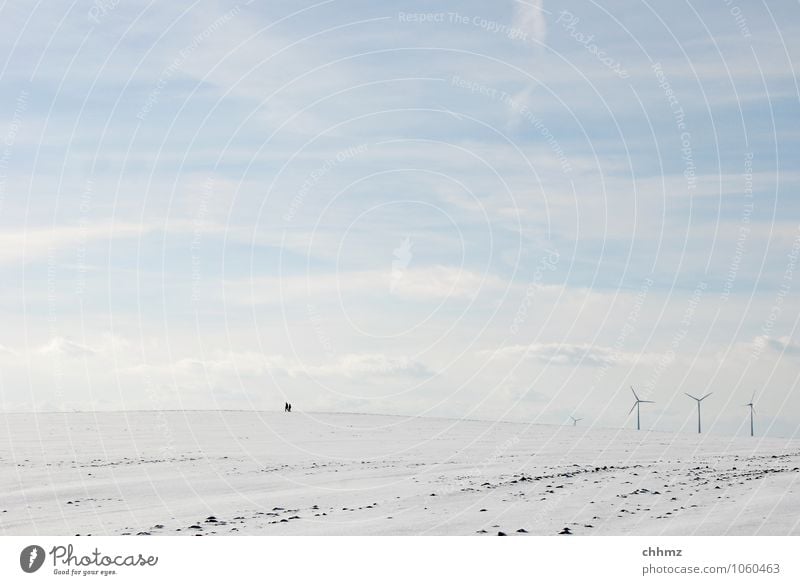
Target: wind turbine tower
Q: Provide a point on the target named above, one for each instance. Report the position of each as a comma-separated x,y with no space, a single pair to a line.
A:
699,400
636,406
752,410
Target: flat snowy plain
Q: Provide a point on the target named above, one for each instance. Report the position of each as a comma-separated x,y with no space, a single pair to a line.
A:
227,473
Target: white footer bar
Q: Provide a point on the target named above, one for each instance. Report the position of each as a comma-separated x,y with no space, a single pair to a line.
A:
372,560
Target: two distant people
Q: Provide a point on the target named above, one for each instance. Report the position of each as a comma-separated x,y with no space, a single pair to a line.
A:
287,407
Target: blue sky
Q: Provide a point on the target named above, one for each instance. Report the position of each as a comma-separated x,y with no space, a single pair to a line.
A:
513,211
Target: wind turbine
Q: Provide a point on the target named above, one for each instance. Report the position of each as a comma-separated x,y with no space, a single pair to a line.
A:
636,406
575,421
752,409
699,400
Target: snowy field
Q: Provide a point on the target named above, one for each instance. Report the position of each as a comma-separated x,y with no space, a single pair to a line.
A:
205,473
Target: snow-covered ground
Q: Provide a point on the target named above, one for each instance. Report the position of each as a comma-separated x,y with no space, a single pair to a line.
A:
187,473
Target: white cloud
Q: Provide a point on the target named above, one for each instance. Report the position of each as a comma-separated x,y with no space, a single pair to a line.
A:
428,283
372,365
66,347
6,350
37,243
783,344
573,354
231,364
439,282
530,19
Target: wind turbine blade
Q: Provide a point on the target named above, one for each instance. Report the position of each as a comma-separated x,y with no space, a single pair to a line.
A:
690,396
632,407
706,396
648,401
753,397
634,393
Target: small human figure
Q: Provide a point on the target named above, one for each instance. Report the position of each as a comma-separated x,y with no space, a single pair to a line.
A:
285,407
290,407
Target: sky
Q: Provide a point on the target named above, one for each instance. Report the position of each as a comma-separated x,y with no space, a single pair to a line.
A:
506,210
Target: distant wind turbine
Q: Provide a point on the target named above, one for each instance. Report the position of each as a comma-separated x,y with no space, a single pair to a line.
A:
699,400
575,421
636,406
752,410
